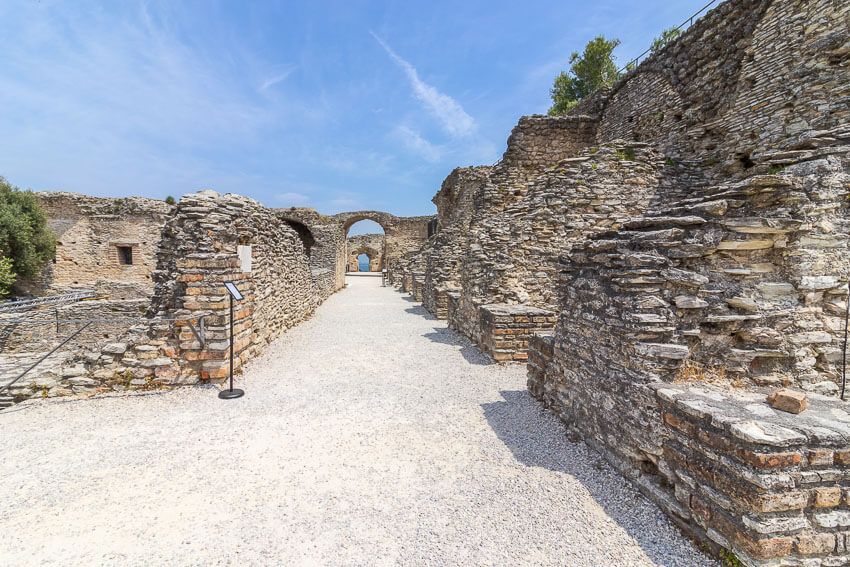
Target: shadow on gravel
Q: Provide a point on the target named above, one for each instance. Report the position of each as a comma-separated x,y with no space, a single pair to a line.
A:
469,351
421,311
536,438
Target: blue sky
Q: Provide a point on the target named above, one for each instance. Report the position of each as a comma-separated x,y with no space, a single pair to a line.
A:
334,105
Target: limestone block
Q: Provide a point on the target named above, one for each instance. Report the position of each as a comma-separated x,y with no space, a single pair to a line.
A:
788,400
765,433
660,350
114,348
690,302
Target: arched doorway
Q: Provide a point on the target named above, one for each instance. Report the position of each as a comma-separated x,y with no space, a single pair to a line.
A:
364,262
365,246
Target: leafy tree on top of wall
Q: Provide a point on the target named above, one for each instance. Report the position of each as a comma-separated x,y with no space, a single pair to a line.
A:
7,276
589,71
26,243
666,37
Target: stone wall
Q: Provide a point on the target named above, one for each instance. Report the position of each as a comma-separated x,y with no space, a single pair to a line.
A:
749,75
370,244
209,239
444,257
325,242
691,235
539,141
90,233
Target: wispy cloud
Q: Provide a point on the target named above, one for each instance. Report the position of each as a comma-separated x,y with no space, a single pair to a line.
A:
450,114
276,78
413,141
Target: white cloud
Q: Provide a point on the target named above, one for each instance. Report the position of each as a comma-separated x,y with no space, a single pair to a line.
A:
292,199
451,115
417,144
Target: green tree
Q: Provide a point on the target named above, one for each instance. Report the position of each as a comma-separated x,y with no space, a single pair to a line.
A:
589,71
25,238
170,200
666,37
7,276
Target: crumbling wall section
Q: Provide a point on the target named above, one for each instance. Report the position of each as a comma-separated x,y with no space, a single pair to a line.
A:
212,239
745,77
90,232
742,286
455,213
324,241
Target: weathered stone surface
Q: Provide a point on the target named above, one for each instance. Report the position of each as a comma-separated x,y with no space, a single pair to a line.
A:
788,400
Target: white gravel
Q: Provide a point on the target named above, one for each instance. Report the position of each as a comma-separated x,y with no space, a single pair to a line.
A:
369,435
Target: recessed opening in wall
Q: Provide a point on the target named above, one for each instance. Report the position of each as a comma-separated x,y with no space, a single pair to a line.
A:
307,238
744,159
125,255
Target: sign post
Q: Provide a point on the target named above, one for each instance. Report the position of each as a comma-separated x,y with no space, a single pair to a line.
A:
231,393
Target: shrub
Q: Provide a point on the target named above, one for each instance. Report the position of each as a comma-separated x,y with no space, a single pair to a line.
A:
589,71
25,238
7,276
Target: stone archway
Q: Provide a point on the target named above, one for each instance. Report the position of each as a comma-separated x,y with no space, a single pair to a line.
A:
370,244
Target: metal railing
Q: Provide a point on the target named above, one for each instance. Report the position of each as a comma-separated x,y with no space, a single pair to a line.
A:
684,25
25,304
199,332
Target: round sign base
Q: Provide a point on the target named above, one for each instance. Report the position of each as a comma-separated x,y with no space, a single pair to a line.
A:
231,394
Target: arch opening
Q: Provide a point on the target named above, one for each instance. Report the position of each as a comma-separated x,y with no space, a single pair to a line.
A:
304,233
365,246
364,226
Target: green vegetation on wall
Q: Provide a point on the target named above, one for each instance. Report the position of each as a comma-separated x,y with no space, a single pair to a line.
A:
26,243
589,71
666,37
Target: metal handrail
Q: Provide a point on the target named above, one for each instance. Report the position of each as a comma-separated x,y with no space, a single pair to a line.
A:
21,304
689,21
199,332
43,358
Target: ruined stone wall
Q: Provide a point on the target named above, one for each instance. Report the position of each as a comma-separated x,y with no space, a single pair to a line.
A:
209,239
729,288
455,212
695,254
403,238
749,75
539,141
371,244
89,232
476,248
325,242
743,285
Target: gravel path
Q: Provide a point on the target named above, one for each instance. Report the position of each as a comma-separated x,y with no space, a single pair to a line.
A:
368,435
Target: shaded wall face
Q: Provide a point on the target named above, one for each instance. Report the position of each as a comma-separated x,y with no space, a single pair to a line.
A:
327,254
108,245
